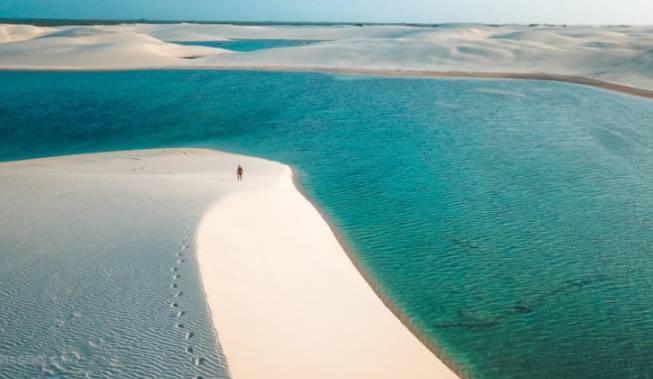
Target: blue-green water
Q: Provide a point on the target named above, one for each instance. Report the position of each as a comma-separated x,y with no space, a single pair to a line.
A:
509,220
249,44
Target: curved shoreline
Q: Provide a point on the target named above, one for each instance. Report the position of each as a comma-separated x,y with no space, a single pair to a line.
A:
391,73
285,297
374,284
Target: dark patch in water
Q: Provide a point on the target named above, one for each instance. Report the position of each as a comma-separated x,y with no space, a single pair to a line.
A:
564,286
522,309
466,325
471,320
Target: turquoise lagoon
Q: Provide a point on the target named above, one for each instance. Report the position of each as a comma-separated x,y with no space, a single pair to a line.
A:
244,45
510,221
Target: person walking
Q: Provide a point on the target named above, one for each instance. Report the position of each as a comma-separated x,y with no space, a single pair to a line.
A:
239,173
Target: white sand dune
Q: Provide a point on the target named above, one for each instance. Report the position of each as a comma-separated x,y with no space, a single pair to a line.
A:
285,299
14,33
621,55
203,32
97,47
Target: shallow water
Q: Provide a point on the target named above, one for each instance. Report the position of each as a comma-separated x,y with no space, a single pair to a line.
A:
249,44
509,220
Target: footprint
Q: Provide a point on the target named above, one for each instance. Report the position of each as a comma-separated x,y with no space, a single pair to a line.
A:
175,277
180,313
198,361
173,285
173,269
174,305
180,326
179,294
189,335
179,254
180,261
189,349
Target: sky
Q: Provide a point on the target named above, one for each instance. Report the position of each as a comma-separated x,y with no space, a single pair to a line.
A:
418,11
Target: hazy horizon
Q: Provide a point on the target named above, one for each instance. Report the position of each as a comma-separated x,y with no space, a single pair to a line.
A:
300,22
579,12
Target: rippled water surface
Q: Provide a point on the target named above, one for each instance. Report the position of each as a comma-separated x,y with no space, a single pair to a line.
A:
510,220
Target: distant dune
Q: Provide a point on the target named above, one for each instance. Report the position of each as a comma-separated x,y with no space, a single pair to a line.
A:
14,33
621,55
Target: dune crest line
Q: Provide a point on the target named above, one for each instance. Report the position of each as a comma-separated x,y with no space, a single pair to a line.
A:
286,299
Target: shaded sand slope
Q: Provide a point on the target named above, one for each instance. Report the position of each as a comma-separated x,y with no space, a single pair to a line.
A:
622,54
96,47
90,247
13,33
100,252
287,301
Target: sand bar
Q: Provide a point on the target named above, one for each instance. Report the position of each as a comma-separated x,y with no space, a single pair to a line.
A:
285,299
628,90
288,303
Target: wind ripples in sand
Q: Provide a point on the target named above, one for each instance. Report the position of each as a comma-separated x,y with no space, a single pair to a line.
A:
85,311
